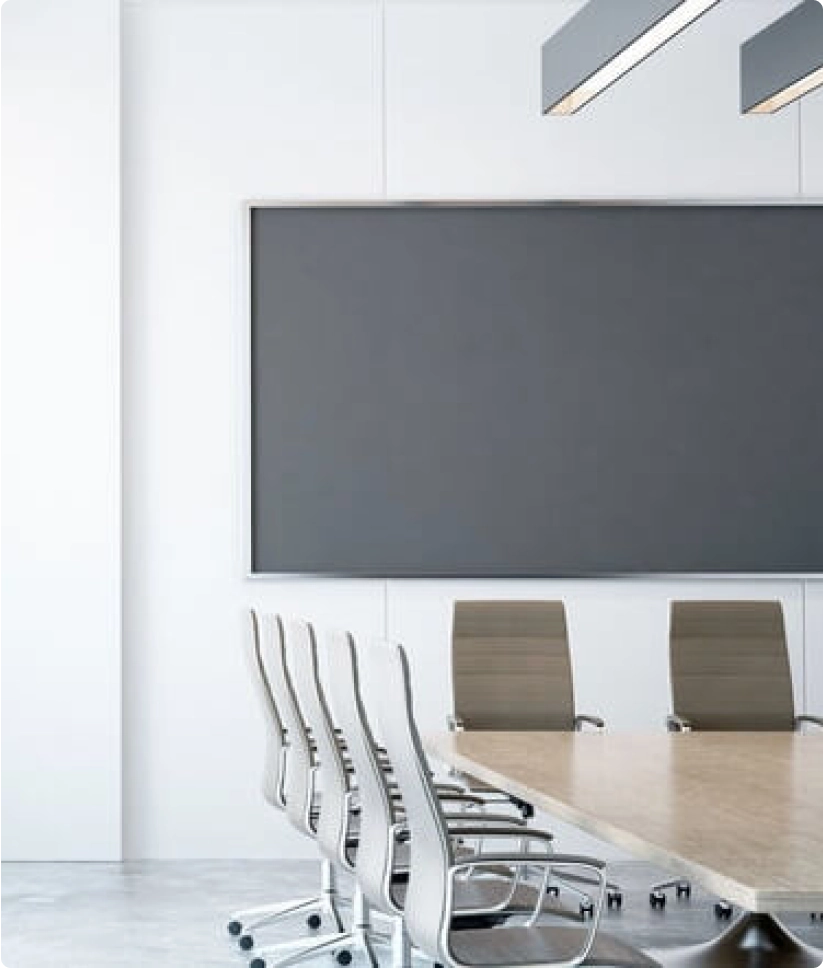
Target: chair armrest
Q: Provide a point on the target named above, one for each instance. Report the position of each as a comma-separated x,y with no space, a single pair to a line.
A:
814,720
480,819
448,796
548,862
450,787
581,719
678,724
541,860
473,829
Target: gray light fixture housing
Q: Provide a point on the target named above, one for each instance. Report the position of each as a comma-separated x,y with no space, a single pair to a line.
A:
782,62
603,41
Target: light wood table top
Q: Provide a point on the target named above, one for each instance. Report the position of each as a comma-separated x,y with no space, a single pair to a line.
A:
740,813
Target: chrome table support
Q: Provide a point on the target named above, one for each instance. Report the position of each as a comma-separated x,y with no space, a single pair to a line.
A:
752,941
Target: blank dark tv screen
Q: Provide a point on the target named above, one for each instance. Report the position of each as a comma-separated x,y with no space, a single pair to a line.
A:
530,390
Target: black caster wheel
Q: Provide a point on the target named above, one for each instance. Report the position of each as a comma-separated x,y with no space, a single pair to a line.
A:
684,889
314,921
723,910
586,909
257,963
554,891
343,957
234,928
657,899
246,942
614,899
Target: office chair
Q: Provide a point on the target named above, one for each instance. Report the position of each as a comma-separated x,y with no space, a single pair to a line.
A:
302,802
382,851
242,923
512,671
324,779
435,870
730,670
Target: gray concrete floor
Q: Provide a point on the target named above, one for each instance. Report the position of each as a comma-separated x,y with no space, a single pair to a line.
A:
173,913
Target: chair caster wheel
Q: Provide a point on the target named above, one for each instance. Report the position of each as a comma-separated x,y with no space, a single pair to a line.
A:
234,928
657,899
683,889
614,899
555,892
723,910
257,963
586,909
246,942
314,921
343,957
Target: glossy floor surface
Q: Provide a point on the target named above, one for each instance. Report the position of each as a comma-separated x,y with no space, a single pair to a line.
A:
173,913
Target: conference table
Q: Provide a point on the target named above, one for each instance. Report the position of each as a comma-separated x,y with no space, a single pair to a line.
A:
739,813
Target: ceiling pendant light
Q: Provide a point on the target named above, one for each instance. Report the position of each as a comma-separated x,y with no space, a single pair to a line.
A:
784,61
605,40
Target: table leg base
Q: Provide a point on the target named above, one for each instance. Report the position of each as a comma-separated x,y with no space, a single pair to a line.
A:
753,941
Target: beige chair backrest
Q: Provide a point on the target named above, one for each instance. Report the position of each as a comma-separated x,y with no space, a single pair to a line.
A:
511,668
730,666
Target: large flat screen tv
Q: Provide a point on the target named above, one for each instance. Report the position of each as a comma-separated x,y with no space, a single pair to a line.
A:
536,389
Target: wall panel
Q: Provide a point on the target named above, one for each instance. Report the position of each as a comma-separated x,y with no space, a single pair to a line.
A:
811,115
223,102
61,431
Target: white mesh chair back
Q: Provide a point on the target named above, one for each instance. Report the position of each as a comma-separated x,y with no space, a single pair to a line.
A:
375,854
274,763
298,783
425,906
330,770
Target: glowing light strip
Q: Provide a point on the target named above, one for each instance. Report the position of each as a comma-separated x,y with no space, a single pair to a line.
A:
789,94
647,43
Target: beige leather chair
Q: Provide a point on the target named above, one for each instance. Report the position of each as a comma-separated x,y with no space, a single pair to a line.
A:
511,667
730,668
512,671
729,671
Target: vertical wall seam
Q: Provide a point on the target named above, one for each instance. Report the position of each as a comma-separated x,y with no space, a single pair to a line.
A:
384,145
386,609
803,587
119,421
384,188
800,149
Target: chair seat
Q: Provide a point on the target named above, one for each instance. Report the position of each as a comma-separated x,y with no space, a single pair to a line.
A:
539,945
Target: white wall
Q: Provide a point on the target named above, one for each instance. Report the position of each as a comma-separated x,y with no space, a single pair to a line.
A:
226,101
61,430
223,102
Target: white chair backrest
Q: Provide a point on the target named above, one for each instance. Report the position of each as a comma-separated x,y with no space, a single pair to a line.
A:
274,763
332,778
298,783
375,852
426,906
